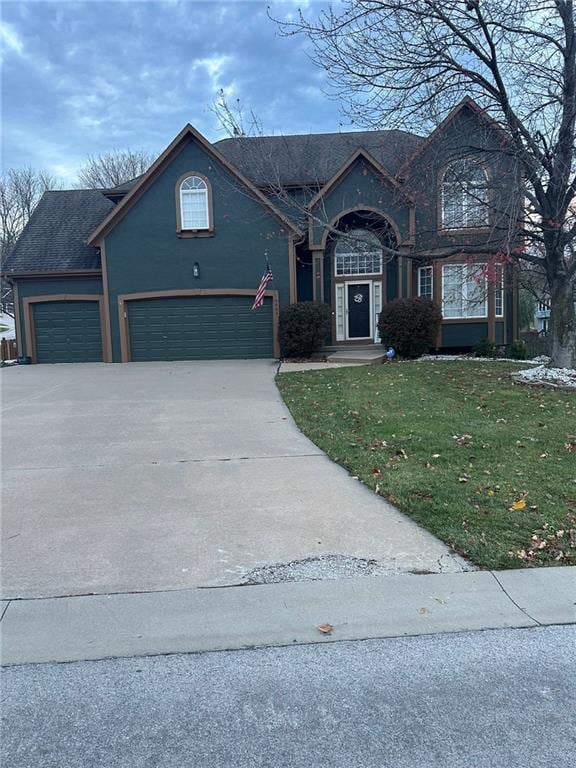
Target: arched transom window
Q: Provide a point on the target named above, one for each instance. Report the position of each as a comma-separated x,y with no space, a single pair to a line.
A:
194,203
464,195
358,252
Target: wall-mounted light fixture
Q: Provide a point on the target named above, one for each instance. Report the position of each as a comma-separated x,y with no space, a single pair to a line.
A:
196,269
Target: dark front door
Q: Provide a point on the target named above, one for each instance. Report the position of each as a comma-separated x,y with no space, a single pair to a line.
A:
359,325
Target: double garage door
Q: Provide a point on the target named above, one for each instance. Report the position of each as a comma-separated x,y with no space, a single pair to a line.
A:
166,328
199,328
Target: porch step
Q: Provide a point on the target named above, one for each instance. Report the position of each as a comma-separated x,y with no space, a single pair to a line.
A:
367,356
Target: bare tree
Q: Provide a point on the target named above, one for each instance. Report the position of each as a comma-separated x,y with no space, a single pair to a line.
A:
20,191
403,63
114,168
233,118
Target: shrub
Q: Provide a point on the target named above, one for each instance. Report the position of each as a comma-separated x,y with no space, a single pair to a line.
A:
485,348
518,351
303,328
410,326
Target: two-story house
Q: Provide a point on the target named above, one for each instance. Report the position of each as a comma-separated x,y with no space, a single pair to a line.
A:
166,266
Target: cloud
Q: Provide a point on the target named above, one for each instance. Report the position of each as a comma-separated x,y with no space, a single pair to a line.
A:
98,75
10,39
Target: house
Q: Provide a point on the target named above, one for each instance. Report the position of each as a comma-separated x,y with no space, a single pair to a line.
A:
166,266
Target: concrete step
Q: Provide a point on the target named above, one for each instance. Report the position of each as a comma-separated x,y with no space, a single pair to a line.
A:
359,356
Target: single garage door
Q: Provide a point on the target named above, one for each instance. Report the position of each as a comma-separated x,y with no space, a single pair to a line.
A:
67,332
199,328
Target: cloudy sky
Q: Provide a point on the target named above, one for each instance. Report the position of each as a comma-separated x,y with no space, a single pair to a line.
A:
81,78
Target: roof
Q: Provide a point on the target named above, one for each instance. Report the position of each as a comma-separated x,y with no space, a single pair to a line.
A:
54,239
313,158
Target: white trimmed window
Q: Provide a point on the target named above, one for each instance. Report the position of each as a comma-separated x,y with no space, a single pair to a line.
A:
464,195
194,205
499,292
464,291
425,282
359,252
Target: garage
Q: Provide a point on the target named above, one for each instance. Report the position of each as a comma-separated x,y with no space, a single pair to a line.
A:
199,327
66,331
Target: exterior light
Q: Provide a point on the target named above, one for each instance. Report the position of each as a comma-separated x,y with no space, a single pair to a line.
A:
196,269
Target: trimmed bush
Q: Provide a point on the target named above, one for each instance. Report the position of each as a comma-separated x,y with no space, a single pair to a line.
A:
410,326
303,328
485,348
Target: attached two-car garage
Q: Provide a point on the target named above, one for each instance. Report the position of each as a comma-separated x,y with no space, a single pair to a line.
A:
204,327
170,325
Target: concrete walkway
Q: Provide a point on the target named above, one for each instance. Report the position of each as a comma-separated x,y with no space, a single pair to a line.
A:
102,626
159,476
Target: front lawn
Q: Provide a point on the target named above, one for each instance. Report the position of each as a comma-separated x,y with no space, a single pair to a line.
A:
487,465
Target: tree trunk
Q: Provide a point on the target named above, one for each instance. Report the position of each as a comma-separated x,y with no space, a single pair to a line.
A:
562,323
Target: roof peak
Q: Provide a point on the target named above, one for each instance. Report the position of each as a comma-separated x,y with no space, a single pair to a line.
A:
322,134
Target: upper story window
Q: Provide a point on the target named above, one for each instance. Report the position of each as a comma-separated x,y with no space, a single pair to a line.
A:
464,195
359,252
194,203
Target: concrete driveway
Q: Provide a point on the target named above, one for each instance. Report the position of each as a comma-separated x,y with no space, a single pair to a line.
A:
155,476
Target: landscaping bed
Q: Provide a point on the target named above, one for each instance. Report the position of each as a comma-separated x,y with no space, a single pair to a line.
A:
487,465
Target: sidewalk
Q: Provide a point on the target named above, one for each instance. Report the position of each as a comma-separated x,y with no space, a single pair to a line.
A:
192,620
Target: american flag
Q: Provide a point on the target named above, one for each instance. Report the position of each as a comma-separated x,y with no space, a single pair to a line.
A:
267,277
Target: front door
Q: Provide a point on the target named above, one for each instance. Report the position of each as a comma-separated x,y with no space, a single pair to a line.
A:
359,310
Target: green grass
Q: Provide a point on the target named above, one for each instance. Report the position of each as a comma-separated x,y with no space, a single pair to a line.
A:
453,445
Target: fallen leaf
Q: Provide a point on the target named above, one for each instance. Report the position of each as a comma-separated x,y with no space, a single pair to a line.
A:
326,629
423,610
518,504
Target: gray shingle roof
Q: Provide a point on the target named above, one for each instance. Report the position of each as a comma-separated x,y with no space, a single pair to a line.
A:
55,237
313,158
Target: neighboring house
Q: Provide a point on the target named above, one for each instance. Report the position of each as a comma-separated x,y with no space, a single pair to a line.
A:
166,267
542,317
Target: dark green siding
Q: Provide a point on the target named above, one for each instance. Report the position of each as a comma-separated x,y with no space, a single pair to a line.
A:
463,334
361,186
67,332
391,279
500,333
144,252
199,328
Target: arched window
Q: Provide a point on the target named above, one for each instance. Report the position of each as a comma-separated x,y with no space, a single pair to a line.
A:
464,195
194,204
358,252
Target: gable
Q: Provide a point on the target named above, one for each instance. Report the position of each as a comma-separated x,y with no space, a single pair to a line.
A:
209,157
361,185
465,129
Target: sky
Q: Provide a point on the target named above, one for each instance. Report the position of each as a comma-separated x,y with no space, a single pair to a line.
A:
82,78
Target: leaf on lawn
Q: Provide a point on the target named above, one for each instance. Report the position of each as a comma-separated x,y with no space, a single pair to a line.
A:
376,472
518,504
326,629
401,453
435,455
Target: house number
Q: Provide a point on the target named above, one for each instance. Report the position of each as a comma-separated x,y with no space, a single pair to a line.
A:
358,298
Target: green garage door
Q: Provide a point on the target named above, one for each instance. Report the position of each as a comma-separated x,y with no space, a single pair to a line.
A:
67,332
199,328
